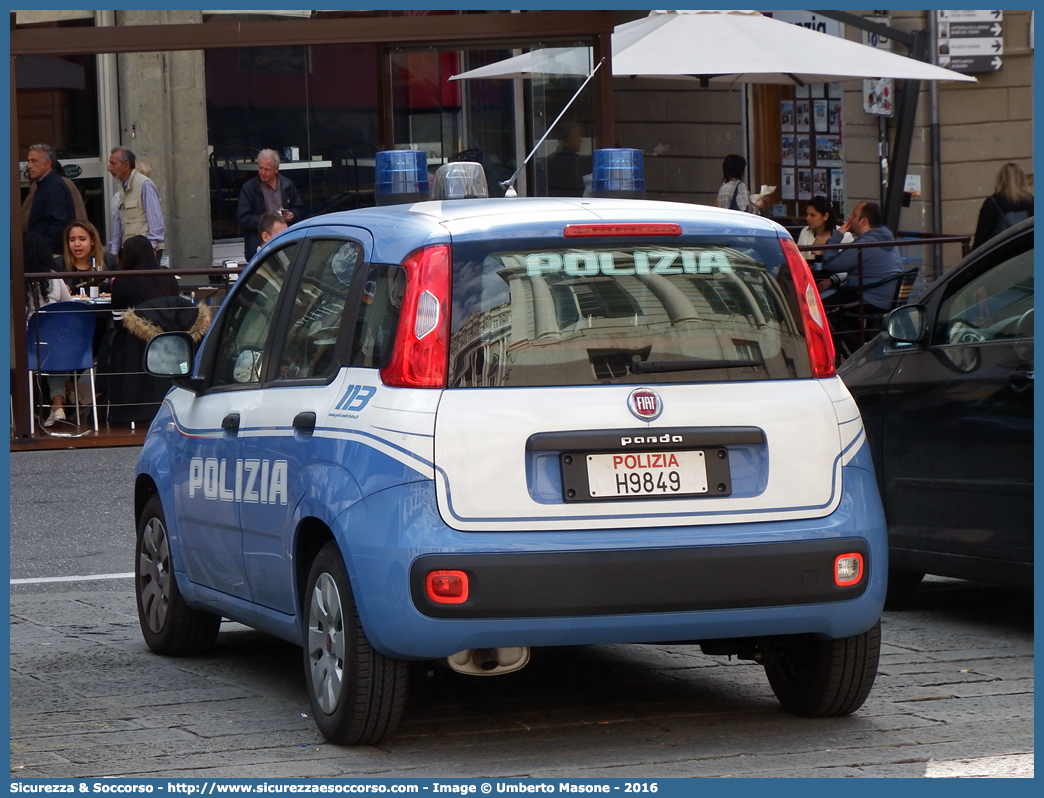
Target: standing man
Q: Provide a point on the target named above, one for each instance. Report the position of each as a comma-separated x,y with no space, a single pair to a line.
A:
269,192
79,211
139,212
52,205
879,263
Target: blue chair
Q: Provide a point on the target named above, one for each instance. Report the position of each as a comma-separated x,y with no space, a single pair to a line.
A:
60,338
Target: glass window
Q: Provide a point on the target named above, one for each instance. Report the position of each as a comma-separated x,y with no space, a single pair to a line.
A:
378,321
247,321
548,312
996,304
315,318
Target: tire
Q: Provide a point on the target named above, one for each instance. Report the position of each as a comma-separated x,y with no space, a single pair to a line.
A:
168,625
902,586
824,678
357,694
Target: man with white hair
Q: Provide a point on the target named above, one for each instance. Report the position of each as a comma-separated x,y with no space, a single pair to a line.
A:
52,206
269,192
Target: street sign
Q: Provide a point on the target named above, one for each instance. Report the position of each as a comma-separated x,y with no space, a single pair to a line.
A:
970,41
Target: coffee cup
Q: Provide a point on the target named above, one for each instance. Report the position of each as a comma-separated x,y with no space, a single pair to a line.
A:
94,292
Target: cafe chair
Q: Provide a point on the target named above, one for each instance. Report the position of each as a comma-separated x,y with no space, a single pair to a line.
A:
853,329
60,339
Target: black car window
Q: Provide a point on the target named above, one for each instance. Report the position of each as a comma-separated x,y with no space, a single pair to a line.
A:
315,316
378,317
248,318
995,304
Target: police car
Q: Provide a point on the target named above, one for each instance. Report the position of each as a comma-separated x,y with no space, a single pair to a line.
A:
463,428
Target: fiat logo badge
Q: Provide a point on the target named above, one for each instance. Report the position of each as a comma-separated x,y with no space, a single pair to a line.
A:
645,404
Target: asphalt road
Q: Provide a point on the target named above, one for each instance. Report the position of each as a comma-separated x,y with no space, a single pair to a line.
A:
954,695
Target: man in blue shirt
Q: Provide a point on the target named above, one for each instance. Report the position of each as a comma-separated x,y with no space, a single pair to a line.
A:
879,263
52,207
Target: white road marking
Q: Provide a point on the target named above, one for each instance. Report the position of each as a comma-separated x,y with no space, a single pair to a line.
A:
89,578
1012,766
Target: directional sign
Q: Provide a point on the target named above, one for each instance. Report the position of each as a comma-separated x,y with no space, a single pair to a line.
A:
970,65
970,16
970,41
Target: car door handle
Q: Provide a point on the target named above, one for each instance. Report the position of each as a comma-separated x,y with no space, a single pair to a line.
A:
305,422
1021,378
230,423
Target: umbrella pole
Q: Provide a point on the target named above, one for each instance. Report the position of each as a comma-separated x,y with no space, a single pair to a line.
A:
510,182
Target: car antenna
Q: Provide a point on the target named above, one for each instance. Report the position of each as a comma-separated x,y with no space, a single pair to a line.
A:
509,184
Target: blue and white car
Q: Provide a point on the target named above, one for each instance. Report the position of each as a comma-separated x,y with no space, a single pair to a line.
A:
462,429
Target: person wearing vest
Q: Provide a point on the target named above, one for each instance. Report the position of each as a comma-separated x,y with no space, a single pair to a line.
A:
139,212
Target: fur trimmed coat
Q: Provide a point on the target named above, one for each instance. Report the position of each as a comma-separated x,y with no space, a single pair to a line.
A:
132,394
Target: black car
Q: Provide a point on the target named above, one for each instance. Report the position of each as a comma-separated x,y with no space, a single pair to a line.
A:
946,395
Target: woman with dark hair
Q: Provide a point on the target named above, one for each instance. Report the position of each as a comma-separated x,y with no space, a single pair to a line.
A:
36,257
734,193
130,290
821,221
82,254
151,304
1010,203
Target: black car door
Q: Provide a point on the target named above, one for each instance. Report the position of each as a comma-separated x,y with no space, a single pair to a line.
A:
958,417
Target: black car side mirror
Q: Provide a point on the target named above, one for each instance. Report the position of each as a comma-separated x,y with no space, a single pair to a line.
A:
170,355
906,324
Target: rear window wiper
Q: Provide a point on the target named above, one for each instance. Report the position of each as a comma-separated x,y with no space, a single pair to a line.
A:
660,366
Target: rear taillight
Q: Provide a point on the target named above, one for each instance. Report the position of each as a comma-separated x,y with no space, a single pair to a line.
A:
421,355
813,317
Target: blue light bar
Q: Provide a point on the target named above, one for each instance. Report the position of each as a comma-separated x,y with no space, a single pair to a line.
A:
618,173
402,176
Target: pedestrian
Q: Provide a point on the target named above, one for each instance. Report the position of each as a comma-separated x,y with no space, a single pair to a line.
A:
270,225
1010,203
734,193
52,205
36,257
79,210
83,254
879,263
269,192
139,212
821,221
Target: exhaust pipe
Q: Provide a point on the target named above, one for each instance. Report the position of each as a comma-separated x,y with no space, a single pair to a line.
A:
489,661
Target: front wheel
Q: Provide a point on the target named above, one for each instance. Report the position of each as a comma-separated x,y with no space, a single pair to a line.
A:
168,624
357,694
824,678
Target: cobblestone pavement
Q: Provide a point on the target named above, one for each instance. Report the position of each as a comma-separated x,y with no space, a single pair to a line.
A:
954,697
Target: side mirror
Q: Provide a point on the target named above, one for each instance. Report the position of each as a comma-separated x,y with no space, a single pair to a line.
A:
170,355
906,324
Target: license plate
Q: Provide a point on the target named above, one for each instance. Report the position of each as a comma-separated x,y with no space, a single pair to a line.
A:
646,474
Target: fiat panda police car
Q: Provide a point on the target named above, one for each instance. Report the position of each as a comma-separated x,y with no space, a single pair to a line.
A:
460,429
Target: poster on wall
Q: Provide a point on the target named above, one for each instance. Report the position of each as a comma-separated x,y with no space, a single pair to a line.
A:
819,183
817,90
828,151
786,149
786,116
837,187
804,151
786,183
834,90
804,184
834,116
801,91
819,116
801,115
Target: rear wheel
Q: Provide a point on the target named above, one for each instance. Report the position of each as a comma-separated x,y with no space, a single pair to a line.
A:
357,694
168,625
824,678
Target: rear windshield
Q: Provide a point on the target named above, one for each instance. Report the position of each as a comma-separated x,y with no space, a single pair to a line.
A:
555,312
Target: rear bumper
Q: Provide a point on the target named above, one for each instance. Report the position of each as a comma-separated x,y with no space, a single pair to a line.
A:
609,586
559,584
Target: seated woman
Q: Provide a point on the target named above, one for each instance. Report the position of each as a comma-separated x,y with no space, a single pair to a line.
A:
84,255
821,221
36,257
151,305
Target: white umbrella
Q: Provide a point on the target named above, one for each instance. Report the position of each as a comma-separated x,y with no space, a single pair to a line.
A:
550,62
740,47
